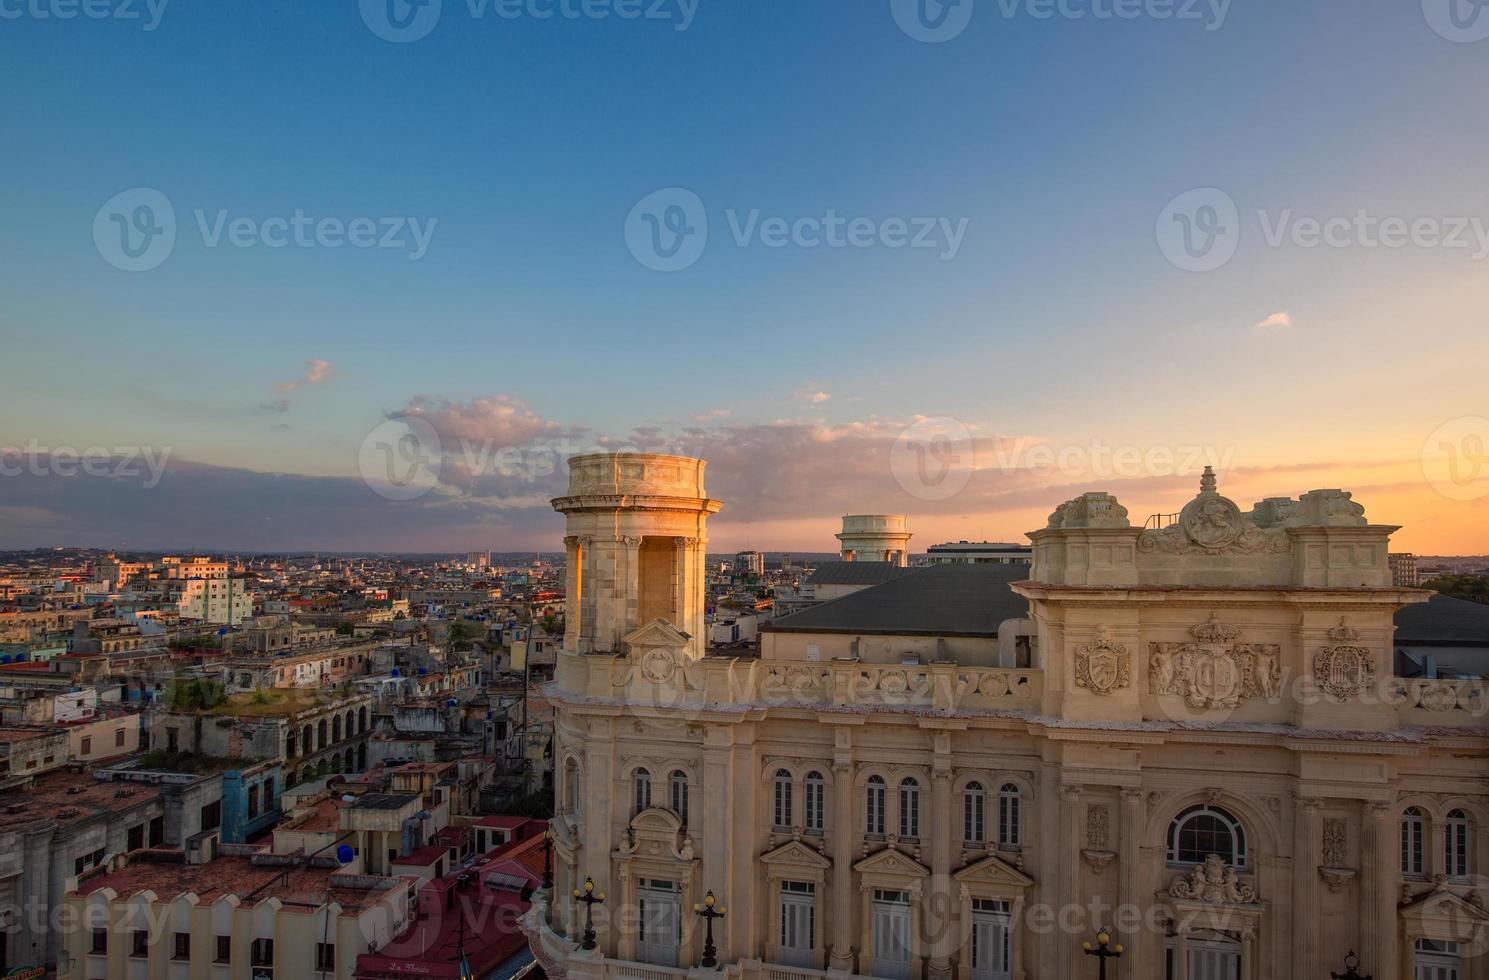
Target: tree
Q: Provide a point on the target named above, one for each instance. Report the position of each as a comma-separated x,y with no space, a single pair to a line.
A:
461,635
1474,588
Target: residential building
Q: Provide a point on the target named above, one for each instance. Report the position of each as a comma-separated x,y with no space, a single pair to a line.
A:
1404,569
980,553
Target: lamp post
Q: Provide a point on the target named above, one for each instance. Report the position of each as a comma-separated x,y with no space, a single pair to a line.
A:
709,913
1102,950
547,860
590,898
1350,973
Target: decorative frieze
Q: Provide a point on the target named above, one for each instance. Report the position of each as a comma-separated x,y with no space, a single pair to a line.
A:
1214,671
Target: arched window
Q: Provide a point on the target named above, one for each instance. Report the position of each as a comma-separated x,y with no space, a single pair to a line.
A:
974,814
642,781
816,808
1413,842
1456,845
1010,816
782,798
1203,830
909,808
679,786
874,809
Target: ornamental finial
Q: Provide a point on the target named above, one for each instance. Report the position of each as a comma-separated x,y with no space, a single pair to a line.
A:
1207,480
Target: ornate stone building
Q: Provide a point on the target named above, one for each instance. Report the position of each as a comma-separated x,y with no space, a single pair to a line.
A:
1209,753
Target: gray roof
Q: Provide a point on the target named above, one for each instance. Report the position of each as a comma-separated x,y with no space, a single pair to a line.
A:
1443,621
937,600
857,573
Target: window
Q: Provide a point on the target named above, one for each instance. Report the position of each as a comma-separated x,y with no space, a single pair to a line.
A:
100,941
1456,845
1010,816
1413,842
679,786
157,831
816,815
182,949
642,781
782,798
1201,831
118,737
325,957
909,808
253,802
87,747
224,949
212,815
139,943
263,952
874,815
136,838
974,814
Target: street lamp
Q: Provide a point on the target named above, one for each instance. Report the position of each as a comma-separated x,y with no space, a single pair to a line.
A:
709,913
547,859
590,898
1102,951
1350,973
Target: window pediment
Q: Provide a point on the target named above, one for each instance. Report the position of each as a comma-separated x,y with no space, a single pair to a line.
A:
1440,914
892,862
993,870
795,858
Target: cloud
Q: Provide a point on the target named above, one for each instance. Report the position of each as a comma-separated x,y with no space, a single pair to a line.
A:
317,371
810,394
498,420
710,416
1275,323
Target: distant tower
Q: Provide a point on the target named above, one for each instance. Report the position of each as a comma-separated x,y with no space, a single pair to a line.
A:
876,537
636,534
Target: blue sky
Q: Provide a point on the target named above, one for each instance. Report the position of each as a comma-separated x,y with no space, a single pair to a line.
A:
1055,142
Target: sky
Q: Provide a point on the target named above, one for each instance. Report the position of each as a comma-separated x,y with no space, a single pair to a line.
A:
360,274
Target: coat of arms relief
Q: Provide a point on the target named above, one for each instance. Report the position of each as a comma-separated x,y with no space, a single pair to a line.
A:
1213,670
1344,668
1102,666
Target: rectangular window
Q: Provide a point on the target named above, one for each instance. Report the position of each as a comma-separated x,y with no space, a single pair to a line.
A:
263,952
816,798
118,737
212,815
87,745
136,837
100,941
325,956
157,831
140,943
253,802
182,950
224,949
874,818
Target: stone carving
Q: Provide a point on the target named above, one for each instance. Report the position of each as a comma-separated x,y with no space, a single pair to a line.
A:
1214,671
1343,669
1214,883
1097,834
1335,853
1214,524
1090,510
1328,508
658,665
1102,666
1272,512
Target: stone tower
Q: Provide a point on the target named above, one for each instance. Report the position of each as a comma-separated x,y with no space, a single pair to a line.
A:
875,537
636,535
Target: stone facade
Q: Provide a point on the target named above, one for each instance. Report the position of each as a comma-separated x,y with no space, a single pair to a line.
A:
1211,755
875,537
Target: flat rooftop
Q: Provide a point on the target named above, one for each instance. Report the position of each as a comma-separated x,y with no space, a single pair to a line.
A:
234,875
69,797
385,801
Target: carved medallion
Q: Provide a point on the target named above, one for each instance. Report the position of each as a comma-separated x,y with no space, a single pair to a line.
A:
1213,671
658,666
1342,670
1102,666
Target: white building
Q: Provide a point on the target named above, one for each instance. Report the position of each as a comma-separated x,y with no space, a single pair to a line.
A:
875,537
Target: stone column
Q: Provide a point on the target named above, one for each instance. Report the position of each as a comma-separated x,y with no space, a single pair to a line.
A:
1181,953
1129,851
1305,886
587,604
842,866
1068,891
631,613
1378,926
937,917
